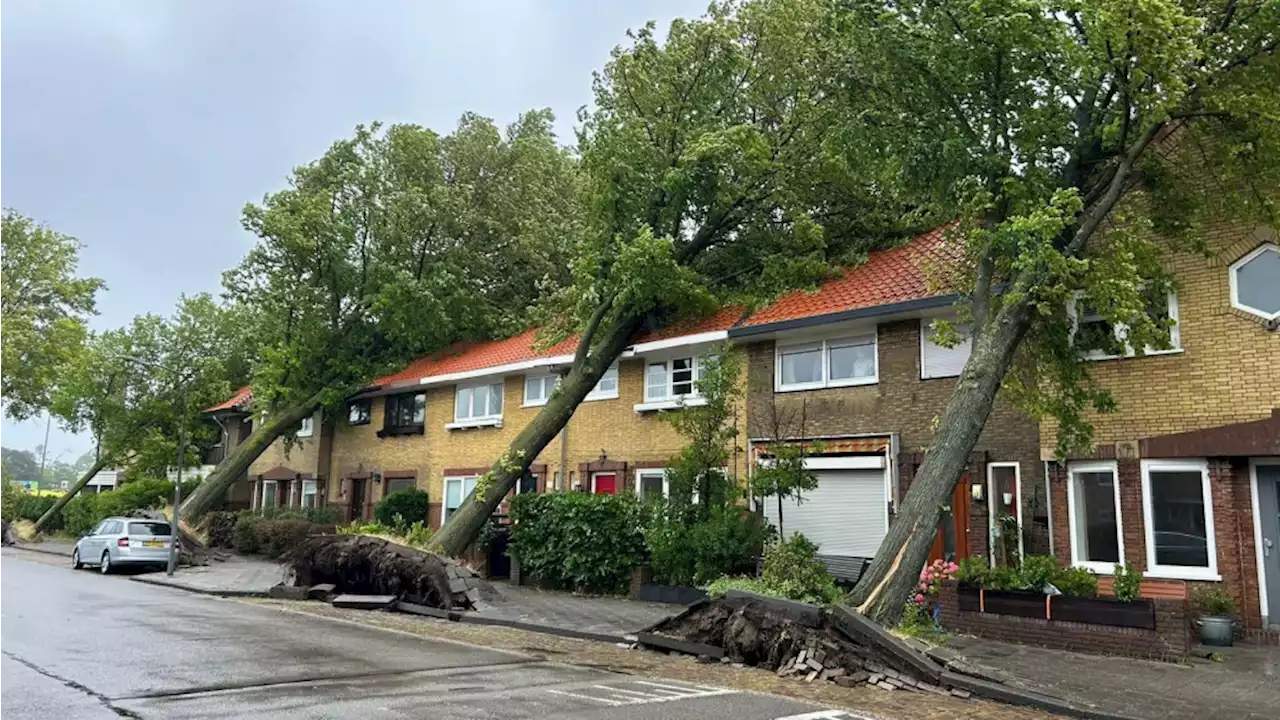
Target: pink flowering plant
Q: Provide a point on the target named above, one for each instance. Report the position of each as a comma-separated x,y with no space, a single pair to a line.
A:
931,579
920,617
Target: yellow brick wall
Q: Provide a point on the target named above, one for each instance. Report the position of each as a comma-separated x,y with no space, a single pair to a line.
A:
609,426
303,456
1228,370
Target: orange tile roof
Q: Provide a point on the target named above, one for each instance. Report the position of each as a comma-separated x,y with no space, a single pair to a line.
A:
242,397
467,356
722,319
889,276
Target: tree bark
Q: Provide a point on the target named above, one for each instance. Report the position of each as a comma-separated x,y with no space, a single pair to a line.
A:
214,488
54,511
893,575
467,521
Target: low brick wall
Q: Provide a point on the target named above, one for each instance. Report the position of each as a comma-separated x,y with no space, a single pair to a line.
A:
1171,639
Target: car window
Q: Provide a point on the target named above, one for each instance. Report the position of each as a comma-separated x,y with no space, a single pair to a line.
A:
100,529
148,528
113,528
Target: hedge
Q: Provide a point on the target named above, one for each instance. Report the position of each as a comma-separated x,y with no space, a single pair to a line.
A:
83,512
402,508
577,541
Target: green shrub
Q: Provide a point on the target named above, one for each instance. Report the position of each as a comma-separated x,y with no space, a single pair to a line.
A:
1076,582
245,537
83,512
1002,577
327,515
220,527
972,571
724,584
726,543
1127,584
574,540
1037,570
402,508
1213,601
791,568
278,536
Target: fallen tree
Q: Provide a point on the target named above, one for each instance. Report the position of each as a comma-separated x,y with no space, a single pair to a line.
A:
364,565
1081,146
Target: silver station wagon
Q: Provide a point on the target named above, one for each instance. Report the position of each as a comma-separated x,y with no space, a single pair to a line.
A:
120,541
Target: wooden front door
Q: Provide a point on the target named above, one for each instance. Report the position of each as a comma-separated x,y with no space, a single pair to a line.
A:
355,509
952,541
604,483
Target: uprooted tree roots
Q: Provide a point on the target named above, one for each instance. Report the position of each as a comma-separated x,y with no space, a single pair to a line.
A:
365,565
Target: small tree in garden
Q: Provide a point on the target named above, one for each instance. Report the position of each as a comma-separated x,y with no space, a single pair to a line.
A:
785,473
402,508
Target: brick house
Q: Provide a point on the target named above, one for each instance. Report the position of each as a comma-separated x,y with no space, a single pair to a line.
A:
1182,480
853,366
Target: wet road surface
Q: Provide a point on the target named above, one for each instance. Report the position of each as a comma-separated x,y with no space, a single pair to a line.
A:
80,646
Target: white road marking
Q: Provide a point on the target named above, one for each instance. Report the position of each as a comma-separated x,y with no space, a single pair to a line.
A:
824,715
652,693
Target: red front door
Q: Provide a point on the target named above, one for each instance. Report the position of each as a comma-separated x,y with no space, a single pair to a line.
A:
605,483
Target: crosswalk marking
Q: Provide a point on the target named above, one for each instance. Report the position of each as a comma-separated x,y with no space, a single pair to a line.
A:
639,692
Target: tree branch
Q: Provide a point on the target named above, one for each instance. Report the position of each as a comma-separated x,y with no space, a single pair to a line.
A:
589,332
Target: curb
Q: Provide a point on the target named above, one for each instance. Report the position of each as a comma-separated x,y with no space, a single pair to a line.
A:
42,551
1025,698
201,591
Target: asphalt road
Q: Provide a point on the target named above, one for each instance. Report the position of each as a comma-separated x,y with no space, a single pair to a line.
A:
80,646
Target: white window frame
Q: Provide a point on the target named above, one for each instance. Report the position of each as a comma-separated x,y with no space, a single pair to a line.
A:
824,347
444,504
670,400
1235,288
926,330
315,492
598,394
642,473
991,499
1099,568
1121,332
1179,572
541,379
306,426
617,479
485,420
274,495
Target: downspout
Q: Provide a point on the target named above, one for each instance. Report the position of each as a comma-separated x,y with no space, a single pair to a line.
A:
564,457
1048,505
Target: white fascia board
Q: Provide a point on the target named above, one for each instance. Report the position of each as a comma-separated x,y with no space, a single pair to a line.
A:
681,341
508,369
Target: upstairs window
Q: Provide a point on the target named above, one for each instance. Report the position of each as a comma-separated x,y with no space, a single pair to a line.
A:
673,379
478,404
306,428
358,412
607,387
406,414
1255,282
1099,338
937,361
827,363
538,388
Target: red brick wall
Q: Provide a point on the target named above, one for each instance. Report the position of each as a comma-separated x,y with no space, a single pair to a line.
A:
1229,485
1171,639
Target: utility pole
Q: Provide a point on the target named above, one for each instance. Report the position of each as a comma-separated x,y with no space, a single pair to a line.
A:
177,486
44,449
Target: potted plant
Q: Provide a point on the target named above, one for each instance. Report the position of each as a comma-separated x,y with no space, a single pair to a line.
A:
1215,622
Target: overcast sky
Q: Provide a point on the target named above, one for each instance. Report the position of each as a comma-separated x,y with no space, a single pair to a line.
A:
142,128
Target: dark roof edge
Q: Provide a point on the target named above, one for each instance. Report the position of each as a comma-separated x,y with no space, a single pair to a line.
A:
928,303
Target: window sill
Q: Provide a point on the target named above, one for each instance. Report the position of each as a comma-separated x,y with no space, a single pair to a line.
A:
857,382
1102,569
657,405
593,398
476,423
533,404
1133,356
1203,575
402,430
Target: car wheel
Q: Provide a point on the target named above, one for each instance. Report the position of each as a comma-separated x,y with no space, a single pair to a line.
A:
105,564
75,559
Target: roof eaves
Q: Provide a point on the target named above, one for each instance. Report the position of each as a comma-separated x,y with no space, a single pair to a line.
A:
862,313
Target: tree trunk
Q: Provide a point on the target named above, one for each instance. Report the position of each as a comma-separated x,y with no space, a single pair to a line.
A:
53,512
214,488
467,521
894,573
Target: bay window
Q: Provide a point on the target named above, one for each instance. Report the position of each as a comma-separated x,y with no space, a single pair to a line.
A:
1179,519
827,363
1093,508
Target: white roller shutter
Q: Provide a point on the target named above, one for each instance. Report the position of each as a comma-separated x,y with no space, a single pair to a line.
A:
846,515
939,362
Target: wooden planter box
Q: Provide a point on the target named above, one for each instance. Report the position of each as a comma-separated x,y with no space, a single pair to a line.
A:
1096,611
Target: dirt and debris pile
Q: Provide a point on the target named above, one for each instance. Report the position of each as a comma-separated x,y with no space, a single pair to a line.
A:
363,565
803,641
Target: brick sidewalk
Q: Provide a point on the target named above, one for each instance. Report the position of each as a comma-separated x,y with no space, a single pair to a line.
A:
235,576
1244,686
602,615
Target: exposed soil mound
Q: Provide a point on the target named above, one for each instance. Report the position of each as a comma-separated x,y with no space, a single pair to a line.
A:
365,565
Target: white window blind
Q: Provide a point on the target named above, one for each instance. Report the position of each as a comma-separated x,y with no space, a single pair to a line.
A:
937,361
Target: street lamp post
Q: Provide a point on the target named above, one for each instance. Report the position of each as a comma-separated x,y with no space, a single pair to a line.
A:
176,536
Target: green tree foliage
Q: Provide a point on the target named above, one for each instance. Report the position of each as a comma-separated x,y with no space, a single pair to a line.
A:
43,309
396,242
709,168
21,465
699,476
402,508
1075,144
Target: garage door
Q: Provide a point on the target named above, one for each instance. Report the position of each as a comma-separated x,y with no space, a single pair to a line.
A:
846,515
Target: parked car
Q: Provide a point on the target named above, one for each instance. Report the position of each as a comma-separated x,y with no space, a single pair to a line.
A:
119,541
